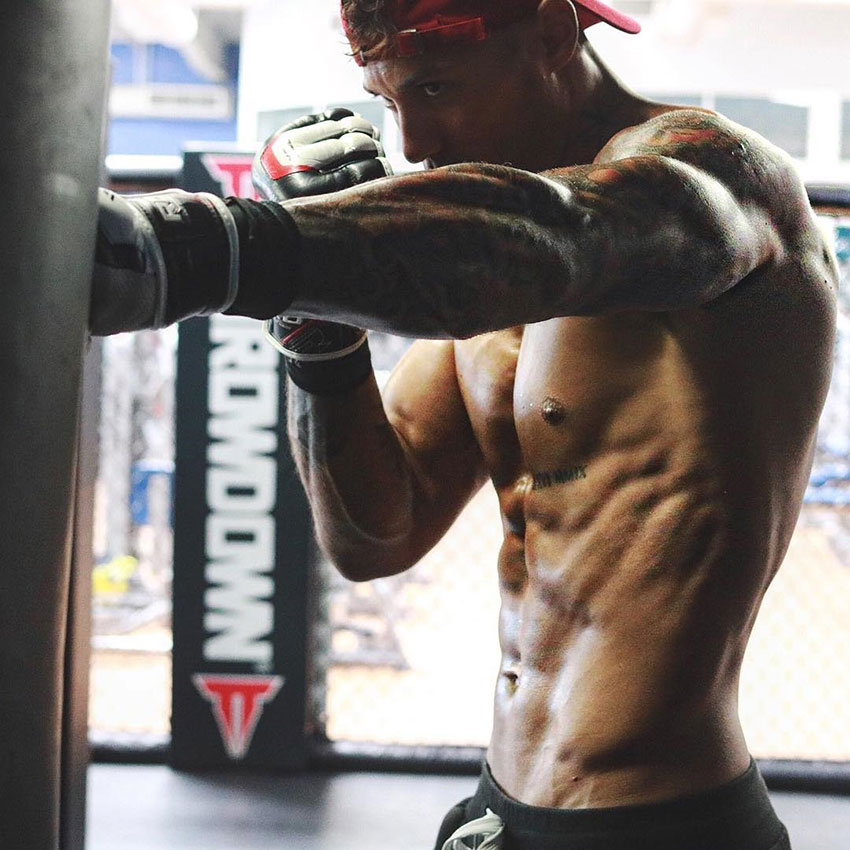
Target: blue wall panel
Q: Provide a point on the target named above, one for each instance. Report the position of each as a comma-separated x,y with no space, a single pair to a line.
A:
146,64
157,136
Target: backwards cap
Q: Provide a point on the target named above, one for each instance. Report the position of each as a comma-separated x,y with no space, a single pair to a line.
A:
424,25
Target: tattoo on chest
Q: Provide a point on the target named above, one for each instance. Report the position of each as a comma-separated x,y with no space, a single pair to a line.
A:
544,480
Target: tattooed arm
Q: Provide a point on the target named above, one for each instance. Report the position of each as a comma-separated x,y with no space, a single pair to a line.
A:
387,478
672,214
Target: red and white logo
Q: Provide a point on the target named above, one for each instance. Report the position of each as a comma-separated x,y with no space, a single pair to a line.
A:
237,703
233,171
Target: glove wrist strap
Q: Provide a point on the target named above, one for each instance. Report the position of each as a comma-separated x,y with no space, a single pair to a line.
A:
232,234
269,247
332,377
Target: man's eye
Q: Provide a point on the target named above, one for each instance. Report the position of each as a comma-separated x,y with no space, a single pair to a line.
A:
432,89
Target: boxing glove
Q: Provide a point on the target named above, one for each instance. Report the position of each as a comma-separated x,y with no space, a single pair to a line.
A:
145,241
317,154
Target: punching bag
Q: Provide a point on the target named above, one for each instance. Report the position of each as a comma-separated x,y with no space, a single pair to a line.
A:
54,60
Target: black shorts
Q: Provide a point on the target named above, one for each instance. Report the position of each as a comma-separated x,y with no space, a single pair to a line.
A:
735,816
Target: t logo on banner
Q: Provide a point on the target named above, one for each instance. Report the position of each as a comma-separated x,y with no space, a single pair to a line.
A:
237,703
233,172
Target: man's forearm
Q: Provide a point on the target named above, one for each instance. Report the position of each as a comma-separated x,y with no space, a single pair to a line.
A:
356,478
443,254
474,248
461,250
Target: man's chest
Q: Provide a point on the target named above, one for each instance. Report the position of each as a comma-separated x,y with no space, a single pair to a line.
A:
538,394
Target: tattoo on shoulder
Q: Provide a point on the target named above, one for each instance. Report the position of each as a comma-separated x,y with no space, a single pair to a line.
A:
544,480
689,128
700,138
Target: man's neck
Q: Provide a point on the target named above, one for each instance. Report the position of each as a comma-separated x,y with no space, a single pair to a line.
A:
598,107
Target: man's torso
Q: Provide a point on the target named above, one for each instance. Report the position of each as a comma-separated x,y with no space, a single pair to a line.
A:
649,469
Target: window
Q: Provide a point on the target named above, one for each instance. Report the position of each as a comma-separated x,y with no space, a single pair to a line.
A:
676,99
273,119
781,123
845,130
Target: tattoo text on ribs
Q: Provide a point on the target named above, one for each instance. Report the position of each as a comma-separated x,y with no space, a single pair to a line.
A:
544,480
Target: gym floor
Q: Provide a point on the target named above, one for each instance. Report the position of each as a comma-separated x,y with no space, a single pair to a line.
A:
153,807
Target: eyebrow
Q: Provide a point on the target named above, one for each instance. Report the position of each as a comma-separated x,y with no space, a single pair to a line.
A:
416,78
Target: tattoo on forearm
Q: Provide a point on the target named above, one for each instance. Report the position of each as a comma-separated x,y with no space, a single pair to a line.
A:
321,438
450,253
543,480
473,248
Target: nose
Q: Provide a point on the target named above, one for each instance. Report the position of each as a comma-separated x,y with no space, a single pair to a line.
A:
419,136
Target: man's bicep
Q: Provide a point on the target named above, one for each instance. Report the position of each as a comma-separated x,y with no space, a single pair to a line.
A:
425,407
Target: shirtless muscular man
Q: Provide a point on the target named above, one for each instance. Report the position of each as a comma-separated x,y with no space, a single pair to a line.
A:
625,319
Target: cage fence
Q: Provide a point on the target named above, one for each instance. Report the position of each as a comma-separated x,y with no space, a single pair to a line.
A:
130,681
411,660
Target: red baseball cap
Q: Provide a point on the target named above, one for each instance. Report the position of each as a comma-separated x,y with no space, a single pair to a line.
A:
427,24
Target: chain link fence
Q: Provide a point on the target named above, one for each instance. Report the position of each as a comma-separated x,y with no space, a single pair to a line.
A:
130,685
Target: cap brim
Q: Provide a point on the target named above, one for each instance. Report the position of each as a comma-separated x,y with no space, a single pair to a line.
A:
593,12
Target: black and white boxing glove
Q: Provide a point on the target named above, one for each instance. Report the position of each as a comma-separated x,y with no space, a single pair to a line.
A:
315,155
318,154
166,256
145,241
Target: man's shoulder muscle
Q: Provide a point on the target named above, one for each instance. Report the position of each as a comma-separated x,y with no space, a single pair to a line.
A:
690,134
759,175
755,172
751,167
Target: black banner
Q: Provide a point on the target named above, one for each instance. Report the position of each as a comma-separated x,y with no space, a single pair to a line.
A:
242,538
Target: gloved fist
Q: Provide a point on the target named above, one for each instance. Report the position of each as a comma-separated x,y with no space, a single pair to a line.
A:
318,154
315,155
160,258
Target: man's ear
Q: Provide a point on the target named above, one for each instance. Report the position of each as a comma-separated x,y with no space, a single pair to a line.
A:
559,30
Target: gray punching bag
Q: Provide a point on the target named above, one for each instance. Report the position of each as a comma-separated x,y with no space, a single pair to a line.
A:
54,61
